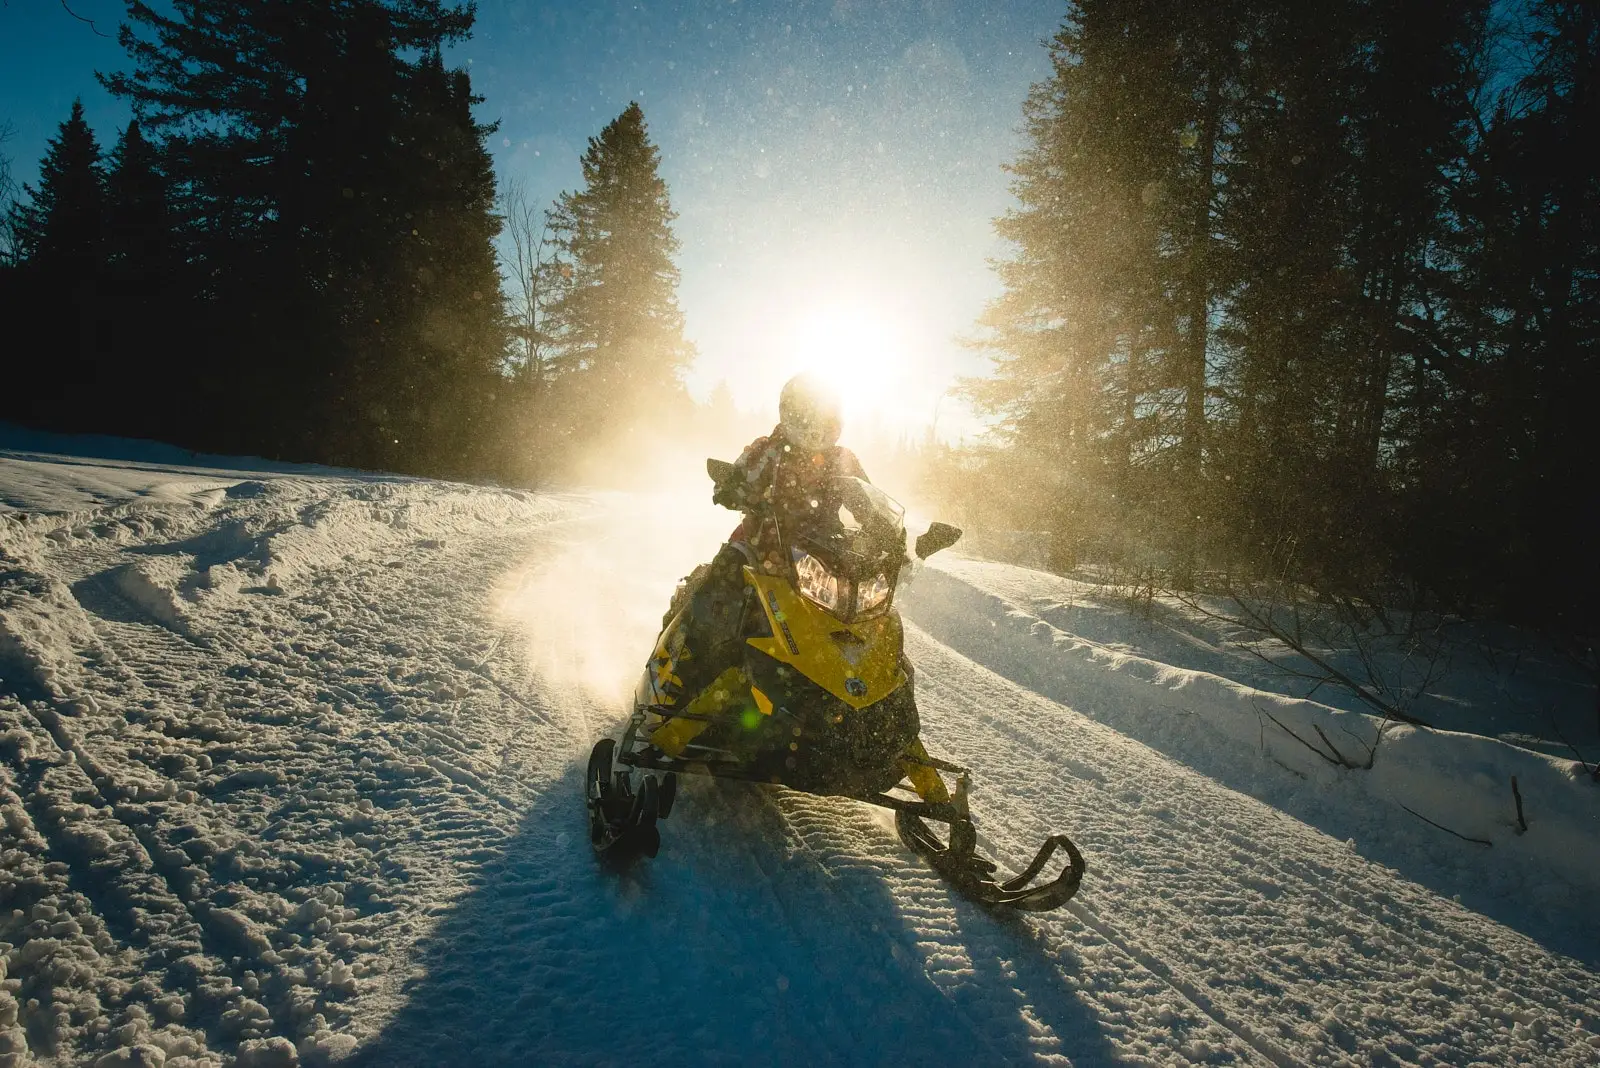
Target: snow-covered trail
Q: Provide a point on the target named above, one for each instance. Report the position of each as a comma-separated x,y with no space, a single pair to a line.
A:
290,771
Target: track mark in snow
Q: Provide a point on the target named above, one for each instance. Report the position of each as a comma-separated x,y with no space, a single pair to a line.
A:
223,933
1180,862
1183,987
372,804
315,801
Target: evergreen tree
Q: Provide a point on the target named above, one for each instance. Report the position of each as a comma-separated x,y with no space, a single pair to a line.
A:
1500,466
1226,214
138,222
1061,331
1352,128
56,298
443,280
1289,210
617,331
141,282
1102,338
62,228
336,215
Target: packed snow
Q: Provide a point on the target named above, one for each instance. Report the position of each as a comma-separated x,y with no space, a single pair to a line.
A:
290,773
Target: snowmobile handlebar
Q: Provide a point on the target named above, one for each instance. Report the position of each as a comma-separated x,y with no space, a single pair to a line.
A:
725,479
938,536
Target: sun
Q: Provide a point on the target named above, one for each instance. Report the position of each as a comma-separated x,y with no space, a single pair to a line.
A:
860,351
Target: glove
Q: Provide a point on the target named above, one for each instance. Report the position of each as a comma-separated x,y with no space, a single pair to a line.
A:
730,494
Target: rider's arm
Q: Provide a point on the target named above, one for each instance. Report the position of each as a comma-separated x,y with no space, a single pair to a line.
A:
849,465
752,476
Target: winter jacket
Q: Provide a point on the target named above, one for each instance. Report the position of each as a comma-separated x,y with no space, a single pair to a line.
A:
783,477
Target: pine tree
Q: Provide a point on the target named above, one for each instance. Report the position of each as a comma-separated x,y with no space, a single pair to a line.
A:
138,220
58,306
1282,268
1500,467
1353,126
143,279
445,276
1291,207
1102,339
617,331
1060,334
337,217
62,229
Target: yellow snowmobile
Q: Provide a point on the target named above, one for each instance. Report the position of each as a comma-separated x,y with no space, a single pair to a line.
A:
819,700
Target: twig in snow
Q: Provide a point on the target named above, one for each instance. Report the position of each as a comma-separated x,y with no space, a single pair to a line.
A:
1331,747
1522,822
1442,827
1339,760
1292,771
1555,725
1262,622
494,646
1372,748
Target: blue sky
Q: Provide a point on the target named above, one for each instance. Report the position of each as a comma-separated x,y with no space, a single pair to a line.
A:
834,163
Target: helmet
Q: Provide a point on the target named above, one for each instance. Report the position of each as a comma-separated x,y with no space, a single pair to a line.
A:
808,411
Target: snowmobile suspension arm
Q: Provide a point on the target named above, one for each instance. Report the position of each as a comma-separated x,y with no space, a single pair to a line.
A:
943,811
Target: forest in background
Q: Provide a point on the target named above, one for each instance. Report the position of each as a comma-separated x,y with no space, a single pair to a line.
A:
1307,293
294,251
1303,292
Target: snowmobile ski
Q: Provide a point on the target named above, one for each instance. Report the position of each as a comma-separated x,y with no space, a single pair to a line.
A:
973,875
622,819
955,859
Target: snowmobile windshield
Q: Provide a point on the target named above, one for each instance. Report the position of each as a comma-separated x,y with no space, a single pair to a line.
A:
848,548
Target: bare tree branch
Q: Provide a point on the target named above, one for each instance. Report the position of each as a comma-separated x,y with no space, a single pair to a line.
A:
1442,827
1337,760
1340,757
529,230
1294,638
8,200
80,18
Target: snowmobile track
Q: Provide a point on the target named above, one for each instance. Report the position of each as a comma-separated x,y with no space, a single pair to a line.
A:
1170,845
215,942
1271,1051
124,898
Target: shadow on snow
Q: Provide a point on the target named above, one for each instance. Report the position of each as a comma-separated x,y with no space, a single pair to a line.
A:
773,928
962,617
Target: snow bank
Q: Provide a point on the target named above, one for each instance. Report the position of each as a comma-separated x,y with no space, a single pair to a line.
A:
40,627
1460,782
151,584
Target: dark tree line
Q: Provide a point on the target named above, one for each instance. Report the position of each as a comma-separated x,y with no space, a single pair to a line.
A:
291,251
1312,289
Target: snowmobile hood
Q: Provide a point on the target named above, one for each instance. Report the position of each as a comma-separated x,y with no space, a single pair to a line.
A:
859,663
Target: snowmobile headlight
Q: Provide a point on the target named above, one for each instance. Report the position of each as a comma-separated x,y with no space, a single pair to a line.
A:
817,583
872,593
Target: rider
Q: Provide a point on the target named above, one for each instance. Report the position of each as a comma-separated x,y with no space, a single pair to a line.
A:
781,474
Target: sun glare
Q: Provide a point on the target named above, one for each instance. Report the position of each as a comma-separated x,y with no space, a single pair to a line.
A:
862,321
861,352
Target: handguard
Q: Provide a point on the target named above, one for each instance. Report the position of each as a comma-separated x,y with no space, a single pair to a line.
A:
727,485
